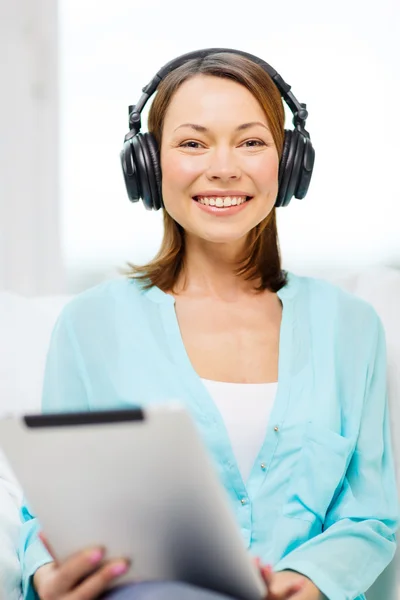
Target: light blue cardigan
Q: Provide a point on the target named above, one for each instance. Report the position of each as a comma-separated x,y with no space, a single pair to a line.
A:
321,498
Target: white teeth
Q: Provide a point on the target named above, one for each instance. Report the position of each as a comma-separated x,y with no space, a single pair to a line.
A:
221,201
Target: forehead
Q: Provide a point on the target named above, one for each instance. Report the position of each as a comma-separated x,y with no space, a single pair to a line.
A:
205,99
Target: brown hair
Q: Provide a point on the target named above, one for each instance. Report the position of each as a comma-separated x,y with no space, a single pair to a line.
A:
262,261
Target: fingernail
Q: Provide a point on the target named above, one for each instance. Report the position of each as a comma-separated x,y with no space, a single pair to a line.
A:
119,569
96,556
267,570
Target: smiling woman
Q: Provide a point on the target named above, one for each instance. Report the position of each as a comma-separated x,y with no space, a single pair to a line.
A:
284,376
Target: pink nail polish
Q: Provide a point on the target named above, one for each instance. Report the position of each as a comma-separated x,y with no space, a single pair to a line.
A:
119,569
96,556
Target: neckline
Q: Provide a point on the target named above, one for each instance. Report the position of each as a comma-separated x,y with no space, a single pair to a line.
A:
166,305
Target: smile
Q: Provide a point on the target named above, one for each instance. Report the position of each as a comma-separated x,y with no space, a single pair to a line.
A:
222,201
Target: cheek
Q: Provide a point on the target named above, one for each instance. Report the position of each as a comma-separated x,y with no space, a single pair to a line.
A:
265,172
176,177
179,170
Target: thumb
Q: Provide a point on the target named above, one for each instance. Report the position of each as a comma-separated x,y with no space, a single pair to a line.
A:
266,571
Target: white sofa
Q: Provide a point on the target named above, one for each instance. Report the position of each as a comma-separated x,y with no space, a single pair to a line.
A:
25,328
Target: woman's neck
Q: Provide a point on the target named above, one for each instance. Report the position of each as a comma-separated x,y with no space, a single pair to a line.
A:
210,271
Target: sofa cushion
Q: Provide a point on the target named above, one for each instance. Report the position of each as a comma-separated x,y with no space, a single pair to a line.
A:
25,326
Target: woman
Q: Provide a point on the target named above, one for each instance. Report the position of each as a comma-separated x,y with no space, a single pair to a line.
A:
214,321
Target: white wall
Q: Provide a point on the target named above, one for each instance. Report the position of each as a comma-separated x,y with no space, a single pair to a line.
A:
339,58
30,251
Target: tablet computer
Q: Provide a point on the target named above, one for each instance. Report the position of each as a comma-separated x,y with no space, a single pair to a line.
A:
140,483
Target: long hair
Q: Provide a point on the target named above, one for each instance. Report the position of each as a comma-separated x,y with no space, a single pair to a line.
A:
262,258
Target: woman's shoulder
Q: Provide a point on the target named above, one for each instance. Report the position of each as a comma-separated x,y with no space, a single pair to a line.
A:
334,300
122,294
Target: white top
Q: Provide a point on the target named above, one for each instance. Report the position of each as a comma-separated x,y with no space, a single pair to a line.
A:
245,409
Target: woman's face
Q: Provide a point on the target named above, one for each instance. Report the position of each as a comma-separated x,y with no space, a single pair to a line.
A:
216,148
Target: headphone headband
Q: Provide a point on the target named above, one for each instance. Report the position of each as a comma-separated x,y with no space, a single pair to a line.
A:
298,109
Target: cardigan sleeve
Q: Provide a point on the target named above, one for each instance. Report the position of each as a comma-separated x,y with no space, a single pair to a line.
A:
358,538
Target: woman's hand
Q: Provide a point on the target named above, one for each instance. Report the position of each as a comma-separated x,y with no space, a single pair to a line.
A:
83,576
288,585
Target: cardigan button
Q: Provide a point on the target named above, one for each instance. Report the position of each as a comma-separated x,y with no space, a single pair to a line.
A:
276,428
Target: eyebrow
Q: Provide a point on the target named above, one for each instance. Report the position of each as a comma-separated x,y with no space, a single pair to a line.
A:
203,129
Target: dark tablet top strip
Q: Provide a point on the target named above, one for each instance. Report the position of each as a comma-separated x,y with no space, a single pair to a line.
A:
84,418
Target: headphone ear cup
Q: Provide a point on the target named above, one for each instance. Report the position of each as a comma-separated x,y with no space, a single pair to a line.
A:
294,164
306,170
283,174
153,201
295,167
153,169
141,170
130,172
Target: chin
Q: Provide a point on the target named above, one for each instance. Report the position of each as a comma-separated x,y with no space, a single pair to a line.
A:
222,237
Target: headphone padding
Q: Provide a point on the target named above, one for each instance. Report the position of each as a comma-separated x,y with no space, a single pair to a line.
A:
155,170
130,172
306,170
142,171
149,170
283,174
296,166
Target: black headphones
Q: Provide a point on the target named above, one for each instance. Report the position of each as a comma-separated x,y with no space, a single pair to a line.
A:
140,154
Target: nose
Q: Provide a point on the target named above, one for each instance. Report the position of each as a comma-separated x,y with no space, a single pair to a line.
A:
223,166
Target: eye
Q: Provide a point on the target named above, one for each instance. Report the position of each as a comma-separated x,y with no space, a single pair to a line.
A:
192,145
186,145
255,143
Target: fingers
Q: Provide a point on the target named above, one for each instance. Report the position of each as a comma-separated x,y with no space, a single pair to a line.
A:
58,579
266,573
94,585
305,593
281,585
284,588
77,567
83,576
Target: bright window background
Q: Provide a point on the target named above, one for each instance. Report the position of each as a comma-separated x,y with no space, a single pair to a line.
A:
339,58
